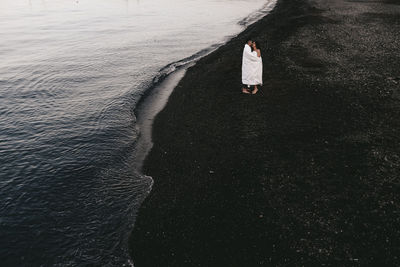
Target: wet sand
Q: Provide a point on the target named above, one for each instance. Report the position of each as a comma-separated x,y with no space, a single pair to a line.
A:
306,172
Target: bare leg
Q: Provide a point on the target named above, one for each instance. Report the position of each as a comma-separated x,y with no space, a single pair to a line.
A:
255,90
245,91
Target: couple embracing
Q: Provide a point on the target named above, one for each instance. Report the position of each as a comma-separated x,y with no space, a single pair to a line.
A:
251,68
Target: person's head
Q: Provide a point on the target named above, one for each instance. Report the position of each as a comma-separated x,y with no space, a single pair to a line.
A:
254,44
249,41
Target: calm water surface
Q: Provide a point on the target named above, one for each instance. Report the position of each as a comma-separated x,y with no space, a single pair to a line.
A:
71,75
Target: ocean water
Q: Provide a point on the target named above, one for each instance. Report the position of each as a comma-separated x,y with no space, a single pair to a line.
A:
71,75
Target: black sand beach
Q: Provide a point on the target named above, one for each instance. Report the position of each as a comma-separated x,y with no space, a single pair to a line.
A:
306,172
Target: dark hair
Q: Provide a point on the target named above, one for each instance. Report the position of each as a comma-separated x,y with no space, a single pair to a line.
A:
249,40
254,41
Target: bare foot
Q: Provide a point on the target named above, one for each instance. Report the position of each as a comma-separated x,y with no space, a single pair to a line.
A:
255,90
244,90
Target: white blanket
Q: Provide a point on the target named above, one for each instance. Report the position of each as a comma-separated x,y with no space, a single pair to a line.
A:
251,67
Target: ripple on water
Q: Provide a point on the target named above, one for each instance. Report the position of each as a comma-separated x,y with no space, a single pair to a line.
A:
71,75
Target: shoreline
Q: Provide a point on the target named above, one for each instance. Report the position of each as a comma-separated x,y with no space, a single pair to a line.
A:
153,103
297,174
156,96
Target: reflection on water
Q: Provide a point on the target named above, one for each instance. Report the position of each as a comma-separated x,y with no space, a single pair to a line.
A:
71,74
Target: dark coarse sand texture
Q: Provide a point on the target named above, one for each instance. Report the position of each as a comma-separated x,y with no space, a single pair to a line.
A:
304,173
